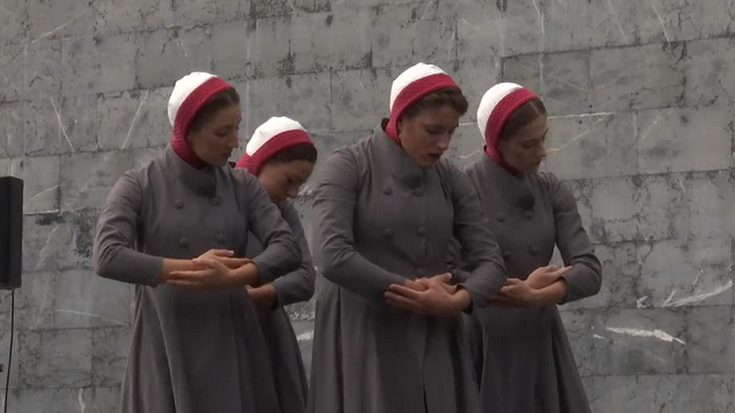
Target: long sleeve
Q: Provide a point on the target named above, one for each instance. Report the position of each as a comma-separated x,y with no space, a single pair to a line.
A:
114,254
333,220
281,253
478,243
585,278
298,285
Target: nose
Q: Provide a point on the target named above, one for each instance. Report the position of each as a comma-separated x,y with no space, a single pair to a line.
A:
291,193
234,141
443,143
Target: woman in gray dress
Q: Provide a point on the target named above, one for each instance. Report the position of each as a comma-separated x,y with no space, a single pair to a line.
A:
522,356
282,155
174,229
388,335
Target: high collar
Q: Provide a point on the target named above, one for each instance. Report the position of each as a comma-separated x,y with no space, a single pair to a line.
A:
202,180
397,161
513,188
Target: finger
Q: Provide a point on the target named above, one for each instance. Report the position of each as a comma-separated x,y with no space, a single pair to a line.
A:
513,281
222,253
563,270
234,262
404,291
213,264
188,275
442,278
419,284
401,301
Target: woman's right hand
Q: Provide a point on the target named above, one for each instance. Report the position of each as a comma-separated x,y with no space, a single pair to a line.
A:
543,277
226,257
214,275
429,297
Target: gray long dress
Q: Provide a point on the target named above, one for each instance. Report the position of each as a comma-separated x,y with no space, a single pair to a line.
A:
297,286
192,351
380,219
522,356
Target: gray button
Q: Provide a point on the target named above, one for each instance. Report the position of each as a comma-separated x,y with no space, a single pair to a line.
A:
420,271
184,243
388,233
216,201
178,204
221,239
421,231
533,250
418,193
528,214
500,218
387,190
507,255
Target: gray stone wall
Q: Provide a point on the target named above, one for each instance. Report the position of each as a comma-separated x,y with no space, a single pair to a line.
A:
641,94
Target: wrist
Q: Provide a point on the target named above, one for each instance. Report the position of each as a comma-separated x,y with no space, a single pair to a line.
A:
462,298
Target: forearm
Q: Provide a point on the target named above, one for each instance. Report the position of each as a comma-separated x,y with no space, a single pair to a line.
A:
552,294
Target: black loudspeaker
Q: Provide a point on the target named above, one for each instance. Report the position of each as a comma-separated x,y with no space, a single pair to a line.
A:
11,231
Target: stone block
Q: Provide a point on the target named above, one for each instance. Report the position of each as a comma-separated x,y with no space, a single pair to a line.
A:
710,339
56,358
269,48
412,33
592,146
57,19
661,21
196,12
152,120
615,210
122,123
684,273
634,342
56,241
95,64
41,73
46,125
166,55
562,80
476,76
331,41
673,140
13,14
304,331
466,146
270,8
673,393
40,183
641,77
72,299
12,129
479,30
110,348
305,98
711,196
710,72
5,347
86,178
663,208
360,98
230,51
142,157
64,400
577,327
13,61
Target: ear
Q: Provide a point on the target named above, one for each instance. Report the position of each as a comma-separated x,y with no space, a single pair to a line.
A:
399,126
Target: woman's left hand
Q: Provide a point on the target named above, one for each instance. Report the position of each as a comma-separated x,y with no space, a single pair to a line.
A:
214,276
434,301
518,293
264,296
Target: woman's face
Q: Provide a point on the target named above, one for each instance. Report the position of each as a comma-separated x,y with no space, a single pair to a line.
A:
525,149
215,140
426,136
282,180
